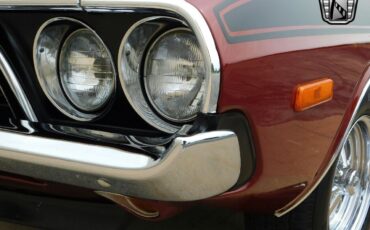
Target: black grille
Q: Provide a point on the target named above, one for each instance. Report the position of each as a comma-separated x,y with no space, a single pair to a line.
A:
6,114
3,102
19,50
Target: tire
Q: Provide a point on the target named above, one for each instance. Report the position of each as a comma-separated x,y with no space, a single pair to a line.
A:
335,188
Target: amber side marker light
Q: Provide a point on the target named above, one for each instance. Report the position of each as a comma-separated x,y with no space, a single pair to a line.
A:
313,93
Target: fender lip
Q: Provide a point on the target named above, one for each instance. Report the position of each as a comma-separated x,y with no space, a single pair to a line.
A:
362,89
193,168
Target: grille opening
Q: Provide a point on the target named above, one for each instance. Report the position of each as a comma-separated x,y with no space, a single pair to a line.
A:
19,50
3,102
6,113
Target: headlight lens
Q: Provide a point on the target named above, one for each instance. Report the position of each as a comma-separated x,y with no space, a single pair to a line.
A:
86,71
174,75
74,68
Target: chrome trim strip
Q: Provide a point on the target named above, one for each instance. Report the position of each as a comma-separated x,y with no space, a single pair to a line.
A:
16,87
132,88
288,208
46,3
193,168
196,22
87,154
40,5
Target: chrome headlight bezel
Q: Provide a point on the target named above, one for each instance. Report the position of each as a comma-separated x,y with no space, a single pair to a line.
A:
145,77
131,76
50,38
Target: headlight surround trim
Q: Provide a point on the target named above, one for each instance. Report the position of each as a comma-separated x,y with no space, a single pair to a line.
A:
130,75
146,83
55,92
136,93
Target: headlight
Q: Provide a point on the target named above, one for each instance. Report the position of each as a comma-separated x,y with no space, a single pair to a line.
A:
164,72
175,75
74,68
86,71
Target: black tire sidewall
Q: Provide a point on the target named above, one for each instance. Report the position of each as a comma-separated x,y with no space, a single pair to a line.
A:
322,201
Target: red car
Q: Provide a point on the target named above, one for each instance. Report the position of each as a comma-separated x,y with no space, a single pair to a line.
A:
260,106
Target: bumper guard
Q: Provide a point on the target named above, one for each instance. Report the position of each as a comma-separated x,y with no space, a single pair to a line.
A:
193,168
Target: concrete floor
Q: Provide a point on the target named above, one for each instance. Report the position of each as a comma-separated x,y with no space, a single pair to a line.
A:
193,219
197,219
10,226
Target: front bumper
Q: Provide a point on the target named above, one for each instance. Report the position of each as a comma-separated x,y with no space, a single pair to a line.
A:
193,168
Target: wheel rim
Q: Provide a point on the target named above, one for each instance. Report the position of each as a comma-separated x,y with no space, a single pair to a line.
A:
350,194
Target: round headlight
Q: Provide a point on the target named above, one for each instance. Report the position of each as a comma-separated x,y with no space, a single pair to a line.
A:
174,75
86,70
166,72
74,68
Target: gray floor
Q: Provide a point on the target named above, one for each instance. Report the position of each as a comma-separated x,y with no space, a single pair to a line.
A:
198,219
9,226
194,219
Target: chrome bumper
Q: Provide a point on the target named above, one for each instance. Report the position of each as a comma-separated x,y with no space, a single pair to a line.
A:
193,168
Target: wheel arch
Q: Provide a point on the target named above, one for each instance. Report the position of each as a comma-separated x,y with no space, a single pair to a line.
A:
360,98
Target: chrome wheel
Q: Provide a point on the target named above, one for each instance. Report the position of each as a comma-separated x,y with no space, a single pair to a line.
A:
350,194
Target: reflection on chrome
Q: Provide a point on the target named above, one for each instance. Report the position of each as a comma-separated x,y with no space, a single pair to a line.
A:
46,54
151,145
131,56
350,195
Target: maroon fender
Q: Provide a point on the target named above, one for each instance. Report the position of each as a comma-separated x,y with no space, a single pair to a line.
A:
260,69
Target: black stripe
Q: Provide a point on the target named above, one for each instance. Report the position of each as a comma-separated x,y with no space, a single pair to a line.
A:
271,13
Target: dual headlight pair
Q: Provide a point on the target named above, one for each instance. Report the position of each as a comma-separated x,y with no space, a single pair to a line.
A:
162,70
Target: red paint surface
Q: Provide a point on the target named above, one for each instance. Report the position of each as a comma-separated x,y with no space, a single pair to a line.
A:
258,78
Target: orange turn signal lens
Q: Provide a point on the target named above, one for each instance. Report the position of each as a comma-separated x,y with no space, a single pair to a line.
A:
313,93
